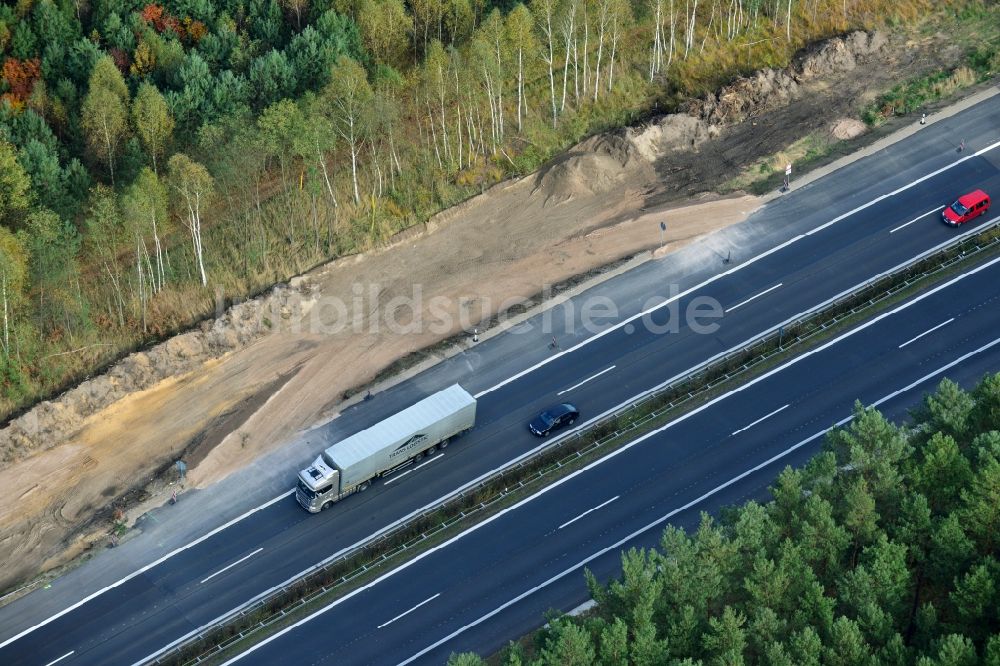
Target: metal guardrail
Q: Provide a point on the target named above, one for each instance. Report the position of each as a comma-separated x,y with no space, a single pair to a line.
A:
321,579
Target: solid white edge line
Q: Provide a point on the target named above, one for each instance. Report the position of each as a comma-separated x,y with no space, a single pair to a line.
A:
741,266
410,563
146,568
409,611
615,545
628,446
928,331
685,507
414,468
567,433
742,303
763,418
638,315
576,386
227,568
60,658
919,217
905,187
503,383
599,506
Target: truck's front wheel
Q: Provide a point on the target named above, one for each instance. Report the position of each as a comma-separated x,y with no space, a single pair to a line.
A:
326,505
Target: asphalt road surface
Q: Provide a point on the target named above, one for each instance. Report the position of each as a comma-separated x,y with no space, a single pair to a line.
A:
793,254
495,582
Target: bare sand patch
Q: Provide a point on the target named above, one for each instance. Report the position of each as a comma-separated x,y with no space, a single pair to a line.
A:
848,128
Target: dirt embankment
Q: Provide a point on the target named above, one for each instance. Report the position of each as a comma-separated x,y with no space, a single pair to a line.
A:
245,383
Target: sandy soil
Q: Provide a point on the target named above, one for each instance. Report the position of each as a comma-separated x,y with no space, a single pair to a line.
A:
464,263
257,389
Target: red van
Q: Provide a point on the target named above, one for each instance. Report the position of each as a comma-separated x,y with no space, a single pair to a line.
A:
966,207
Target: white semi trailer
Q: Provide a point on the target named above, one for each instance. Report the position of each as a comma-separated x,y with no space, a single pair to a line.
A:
351,464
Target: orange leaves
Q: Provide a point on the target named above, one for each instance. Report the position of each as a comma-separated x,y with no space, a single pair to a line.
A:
154,15
189,29
20,76
195,29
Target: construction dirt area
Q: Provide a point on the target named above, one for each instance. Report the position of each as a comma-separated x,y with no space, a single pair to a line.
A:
246,383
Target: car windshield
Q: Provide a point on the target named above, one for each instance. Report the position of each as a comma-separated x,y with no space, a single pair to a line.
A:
547,418
959,208
305,490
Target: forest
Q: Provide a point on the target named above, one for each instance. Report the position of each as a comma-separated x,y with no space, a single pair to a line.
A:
156,157
883,549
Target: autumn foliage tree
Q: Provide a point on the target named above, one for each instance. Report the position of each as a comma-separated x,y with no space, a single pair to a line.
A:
157,17
20,77
400,107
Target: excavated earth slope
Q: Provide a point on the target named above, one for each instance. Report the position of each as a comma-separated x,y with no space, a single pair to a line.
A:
247,382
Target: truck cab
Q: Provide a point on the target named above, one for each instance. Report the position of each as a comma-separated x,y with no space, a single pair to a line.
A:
318,486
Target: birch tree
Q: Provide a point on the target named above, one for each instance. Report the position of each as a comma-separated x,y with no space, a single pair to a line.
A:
53,245
349,95
673,24
455,65
296,7
568,29
321,136
493,29
522,40
313,179
459,21
708,28
104,112
544,12
145,206
13,277
385,117
603,17
586,45
152,120
655,57
435,83
105,238
278,125
621,19
427,21
481,57
383,29
691,12
195,187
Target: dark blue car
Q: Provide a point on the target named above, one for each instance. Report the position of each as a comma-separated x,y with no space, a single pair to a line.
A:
553,418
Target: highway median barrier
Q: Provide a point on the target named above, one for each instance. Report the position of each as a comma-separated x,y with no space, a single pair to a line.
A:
328,580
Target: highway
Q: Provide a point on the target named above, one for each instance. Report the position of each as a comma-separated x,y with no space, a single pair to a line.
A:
796,252
494,582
